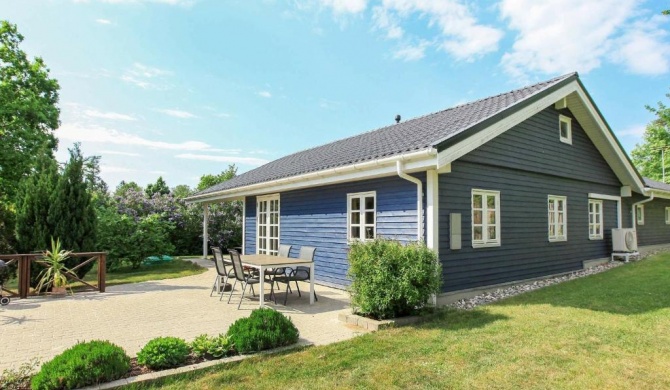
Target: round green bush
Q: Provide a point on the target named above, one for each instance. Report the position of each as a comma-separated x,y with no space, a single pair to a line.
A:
164,352
389,279
263,329
82,365
212,347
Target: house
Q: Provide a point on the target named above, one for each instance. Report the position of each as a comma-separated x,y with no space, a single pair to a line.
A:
515,186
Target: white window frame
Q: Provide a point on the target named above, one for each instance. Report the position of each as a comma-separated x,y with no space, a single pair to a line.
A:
568,121
556,237
667,215
362,225
268,225
485,242
596,222
639,214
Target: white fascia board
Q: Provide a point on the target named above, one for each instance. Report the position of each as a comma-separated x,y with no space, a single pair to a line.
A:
657,193
413,162
604,196
471,143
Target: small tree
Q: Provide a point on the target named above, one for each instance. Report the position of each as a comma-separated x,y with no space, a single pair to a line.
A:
647,156
159,187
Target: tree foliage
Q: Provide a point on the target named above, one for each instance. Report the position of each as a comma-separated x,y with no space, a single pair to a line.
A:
28,111
647,156
159,187
207,181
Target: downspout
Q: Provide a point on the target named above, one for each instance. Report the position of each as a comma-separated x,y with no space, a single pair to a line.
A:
419,198
633,210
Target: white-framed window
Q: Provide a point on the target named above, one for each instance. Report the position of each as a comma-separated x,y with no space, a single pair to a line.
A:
267,225
639,214
557,207
595,219
667,215
565,129
485,218
362,216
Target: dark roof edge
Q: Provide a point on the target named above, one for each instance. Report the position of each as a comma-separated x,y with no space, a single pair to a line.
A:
448,141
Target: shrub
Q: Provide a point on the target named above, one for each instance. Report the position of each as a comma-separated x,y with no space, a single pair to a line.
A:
263,329
390,279
82,365
164,352
214,347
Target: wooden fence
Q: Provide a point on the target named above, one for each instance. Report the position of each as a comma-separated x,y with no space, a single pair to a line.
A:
24,262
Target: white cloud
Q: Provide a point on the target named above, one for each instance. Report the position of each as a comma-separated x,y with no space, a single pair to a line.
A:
104,21
644,48
411,53
102,135
145,77
459,33
226,159
265,94
345,6
116,152
636,131
108,115
177,113
560,36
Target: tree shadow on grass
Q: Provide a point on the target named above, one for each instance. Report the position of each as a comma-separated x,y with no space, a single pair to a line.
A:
456,319
630,289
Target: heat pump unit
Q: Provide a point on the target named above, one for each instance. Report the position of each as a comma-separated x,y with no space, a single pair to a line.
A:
624,240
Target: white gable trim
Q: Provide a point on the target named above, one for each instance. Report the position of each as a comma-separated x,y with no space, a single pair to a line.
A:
585,113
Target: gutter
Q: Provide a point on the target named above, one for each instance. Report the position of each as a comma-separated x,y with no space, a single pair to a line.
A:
634,206
319,174
419,198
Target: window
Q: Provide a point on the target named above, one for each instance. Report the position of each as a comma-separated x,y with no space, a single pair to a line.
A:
639,213
667,215
267,226
485,218
557,207
565,129
595,219
361,216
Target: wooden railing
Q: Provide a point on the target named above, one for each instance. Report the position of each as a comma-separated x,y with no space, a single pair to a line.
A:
24,262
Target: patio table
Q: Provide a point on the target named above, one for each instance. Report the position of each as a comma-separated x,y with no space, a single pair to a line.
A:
263,262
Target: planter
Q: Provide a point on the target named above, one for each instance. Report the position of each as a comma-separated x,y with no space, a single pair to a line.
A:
58,291
375,325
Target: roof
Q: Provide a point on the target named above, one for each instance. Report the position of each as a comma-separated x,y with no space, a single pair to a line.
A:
656,185
413,135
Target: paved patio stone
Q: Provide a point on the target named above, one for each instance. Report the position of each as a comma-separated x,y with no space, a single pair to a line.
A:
132,314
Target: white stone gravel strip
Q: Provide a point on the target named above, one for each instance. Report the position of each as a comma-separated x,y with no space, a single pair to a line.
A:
180,370
506,292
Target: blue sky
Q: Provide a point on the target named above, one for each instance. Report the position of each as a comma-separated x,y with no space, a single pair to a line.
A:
181,88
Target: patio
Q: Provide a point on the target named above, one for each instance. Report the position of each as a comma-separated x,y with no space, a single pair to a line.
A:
132,314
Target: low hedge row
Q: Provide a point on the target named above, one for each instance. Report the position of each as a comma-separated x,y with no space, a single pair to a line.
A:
97,361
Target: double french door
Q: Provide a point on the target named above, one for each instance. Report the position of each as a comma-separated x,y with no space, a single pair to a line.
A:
267,222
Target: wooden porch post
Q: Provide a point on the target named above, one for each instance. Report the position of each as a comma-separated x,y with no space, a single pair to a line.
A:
205,237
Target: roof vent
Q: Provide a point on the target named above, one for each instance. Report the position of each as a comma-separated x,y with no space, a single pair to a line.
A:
397,118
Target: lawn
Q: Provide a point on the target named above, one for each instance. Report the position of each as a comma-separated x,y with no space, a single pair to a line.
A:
610,330
177,268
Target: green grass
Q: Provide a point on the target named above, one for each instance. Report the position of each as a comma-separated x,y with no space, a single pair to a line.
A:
610,330
177,268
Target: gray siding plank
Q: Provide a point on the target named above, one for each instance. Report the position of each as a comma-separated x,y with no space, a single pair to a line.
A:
654,231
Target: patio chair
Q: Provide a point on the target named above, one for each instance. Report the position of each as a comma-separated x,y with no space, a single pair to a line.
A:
241,276
299,274
284,251
221,271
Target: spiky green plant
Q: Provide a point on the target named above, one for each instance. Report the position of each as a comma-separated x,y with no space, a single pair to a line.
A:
54,273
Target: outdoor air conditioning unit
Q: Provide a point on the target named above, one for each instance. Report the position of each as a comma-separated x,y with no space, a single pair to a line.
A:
624,240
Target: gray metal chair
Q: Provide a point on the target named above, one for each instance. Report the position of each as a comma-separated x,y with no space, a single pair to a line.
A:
241,276
299,274
221,272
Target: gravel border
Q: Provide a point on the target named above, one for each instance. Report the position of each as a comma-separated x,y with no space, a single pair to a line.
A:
506,292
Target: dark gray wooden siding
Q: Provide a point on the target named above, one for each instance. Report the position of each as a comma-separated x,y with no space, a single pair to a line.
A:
654,231
250,225
526,164
318,217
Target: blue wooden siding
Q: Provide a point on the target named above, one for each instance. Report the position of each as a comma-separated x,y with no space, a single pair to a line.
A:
318,217
526,164
654,231
250,225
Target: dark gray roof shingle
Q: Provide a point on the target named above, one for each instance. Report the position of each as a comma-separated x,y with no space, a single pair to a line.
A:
656,184
408,136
